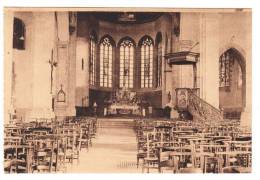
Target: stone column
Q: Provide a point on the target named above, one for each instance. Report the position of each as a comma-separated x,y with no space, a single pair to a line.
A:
176,81
66,70
246,115
8,63
43,45
71,110
209,58
189,32
82,75
165,71
186,76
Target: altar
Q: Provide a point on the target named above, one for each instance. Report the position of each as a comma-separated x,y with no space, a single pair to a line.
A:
124,109
124,102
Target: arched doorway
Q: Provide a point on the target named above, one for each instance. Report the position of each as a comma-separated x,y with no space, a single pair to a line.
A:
232,83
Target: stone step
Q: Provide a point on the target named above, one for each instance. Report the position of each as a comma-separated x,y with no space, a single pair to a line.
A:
116,123
123,125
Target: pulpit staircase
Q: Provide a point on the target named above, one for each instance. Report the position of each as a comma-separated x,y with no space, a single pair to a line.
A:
201,111
188,100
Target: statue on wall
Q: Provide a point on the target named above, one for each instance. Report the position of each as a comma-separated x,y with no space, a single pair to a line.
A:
169,97
182,98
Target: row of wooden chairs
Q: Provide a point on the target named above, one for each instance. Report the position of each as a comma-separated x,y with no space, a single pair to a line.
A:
184,146
46,146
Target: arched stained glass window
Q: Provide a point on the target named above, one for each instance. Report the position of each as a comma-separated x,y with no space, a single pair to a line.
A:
106,54
92,60
126,63
146,63
225,68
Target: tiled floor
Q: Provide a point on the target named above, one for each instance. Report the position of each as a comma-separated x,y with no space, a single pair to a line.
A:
113,151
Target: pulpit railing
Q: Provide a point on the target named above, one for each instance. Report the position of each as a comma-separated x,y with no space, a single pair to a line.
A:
203,111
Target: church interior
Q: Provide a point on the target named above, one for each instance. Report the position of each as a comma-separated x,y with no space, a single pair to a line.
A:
127,91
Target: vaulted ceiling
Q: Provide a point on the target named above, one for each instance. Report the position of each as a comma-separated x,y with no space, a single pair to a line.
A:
124,17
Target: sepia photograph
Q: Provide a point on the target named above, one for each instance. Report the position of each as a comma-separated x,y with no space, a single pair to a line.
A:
127,90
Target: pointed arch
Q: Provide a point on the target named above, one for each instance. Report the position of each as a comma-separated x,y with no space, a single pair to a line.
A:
146,45
126,62
145,37
232,82
126,38
106,54
110,38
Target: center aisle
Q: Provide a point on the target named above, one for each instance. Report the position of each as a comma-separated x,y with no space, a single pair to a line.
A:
113,151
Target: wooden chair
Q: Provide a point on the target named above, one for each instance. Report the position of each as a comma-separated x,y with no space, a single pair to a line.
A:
151,161
84,138
61,154
44,154
12,130
166,162
21,159
240,153
72,151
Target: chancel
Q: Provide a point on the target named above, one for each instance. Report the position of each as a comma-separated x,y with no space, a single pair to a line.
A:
127,91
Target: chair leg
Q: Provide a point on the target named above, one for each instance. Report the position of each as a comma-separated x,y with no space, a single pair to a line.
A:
78,157
72,157
80,145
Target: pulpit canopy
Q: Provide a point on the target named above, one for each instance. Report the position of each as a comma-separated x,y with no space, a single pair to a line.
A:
181,58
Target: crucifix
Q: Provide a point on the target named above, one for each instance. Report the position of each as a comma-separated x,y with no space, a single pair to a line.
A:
52,65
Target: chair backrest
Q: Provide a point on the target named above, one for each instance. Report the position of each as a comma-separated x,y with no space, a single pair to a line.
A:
165,155
12,130
13,140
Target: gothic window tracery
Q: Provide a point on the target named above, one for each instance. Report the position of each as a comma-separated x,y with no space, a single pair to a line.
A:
146,63
106,53
225,69
126,63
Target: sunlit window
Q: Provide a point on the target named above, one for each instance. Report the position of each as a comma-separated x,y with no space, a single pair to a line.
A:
146,63
225,67
106,54
126,63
